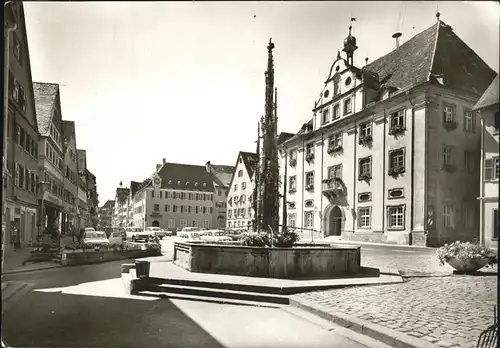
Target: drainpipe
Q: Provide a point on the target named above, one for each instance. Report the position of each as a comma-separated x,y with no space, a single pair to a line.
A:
7,30
355,177
412,175
303,183
481,194
285,217
321,186
384,166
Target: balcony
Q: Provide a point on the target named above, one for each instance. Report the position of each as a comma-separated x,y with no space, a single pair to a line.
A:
333,187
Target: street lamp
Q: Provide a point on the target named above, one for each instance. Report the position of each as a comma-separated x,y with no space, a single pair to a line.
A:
43,186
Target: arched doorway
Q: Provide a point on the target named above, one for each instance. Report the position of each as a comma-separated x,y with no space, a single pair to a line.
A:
334,221
155,223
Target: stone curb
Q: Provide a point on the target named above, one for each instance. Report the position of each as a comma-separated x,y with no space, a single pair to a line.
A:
388,336
12,272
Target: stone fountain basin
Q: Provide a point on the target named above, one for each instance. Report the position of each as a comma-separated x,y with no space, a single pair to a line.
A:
307,262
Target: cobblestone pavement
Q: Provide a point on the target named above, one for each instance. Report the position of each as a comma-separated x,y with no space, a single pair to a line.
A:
447,311
408,263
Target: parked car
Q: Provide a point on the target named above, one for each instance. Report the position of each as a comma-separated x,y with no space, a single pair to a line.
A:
137,233
234,234
94,239
184,233
117,238
158,232
214,236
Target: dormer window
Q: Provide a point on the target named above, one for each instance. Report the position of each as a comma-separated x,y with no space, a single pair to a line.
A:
347,106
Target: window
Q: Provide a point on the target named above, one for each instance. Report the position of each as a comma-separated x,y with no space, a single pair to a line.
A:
468,215
365,130
219,192
167,208
325,117
240,173
174,209
447,155
183,223
293,183
336,140
310,148
448,112
229,213
18,134
365,168
336,111
156,207
448,216
293,155
292,219
309,219
396,216
496,120
347,106
364,217
335,171
469,161
21,176
236,187
496,226
491,168
398,119
195,223
336,87
397,160
364,197
310,179
469,121
197,209
206,224
17,48
243,185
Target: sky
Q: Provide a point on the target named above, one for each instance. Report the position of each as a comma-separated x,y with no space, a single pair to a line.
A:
185,81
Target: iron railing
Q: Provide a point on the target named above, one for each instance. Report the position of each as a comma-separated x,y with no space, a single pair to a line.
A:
489,337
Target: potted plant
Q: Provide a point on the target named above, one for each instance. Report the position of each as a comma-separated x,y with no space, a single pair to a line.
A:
333,149
365,177
309,157
293,162
450,125
466,256
397,129
292,190
395,171
365,139
310,187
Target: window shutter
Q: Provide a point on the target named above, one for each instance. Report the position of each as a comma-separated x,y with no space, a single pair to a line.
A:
488,169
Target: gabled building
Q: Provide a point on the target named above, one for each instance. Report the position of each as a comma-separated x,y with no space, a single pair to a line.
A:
121,208
51,150
105,215
82,205
389,153
70,185
241,190
21,180
92,198
489,114
222,180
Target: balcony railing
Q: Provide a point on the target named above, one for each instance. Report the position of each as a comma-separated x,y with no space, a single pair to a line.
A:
332,187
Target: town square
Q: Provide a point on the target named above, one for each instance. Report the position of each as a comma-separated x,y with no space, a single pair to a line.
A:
250,174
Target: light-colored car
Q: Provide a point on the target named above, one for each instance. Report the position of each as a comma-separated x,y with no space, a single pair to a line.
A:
137,233
158,232
215,236
94,239
117,238
186,231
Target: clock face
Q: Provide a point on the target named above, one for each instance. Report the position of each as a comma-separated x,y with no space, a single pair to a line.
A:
157,181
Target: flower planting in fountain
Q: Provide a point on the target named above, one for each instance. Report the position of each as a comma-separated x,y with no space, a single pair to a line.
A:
466,256
266,239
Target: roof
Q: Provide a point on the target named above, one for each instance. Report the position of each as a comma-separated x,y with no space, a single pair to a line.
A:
134,187
45,95
109,204
284,137
301,132
250,160
222,174
434,52
122,193
185,177
490,96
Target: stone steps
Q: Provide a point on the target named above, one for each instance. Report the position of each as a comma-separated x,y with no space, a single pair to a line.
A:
200,291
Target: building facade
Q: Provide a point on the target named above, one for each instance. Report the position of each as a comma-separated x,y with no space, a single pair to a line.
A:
222,180
105,214
70,189
82,206
240,211
51,156
389,153
488,108
21,182
122,207
92,198
178,196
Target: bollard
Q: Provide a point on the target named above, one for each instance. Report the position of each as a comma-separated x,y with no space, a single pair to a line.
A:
142,268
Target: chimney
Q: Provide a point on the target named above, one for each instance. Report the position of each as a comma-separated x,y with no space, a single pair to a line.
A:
158,166
207,166
366,61
164,160
397,36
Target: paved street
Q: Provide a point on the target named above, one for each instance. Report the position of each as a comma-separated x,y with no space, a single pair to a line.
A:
87,306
